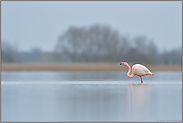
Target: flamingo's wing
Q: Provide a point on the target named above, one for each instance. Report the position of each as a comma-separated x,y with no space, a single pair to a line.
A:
140,70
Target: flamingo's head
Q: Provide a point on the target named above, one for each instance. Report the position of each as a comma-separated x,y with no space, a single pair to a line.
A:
124,63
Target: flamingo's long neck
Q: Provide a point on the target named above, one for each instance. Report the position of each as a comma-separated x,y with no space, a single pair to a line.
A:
129,70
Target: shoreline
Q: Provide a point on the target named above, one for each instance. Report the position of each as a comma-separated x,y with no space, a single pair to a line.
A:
80,67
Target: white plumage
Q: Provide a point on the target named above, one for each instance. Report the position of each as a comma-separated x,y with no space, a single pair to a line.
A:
140,70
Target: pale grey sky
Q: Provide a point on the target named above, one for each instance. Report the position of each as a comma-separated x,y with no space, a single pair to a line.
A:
39,23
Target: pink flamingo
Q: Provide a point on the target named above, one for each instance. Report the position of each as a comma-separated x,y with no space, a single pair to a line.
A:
137,69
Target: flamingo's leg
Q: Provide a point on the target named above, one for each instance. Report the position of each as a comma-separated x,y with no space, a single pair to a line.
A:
141,79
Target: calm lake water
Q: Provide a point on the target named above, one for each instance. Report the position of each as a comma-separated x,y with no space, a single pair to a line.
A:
90,96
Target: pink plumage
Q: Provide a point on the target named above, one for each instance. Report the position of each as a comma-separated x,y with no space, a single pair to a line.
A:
137,69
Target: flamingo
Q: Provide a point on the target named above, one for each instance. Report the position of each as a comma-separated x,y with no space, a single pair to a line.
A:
137,69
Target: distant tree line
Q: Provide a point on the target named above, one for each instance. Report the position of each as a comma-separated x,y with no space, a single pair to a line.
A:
96,44
11,54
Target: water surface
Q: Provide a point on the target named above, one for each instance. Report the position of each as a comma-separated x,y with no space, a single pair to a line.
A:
87,76
90,97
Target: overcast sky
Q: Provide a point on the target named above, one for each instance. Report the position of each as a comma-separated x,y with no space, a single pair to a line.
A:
39,23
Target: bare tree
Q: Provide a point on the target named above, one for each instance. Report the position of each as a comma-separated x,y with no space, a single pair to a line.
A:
123,49
97,43
152,53
143,50
138,51
9,53
71,43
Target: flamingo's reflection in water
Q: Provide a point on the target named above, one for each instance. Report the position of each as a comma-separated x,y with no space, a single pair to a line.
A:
89,101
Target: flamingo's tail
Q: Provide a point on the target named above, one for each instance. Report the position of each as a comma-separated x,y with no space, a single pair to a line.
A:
152,74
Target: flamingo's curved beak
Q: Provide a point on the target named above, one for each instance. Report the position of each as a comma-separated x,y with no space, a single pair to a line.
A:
121,63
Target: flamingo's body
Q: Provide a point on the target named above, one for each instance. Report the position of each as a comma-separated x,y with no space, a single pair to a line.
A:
137,69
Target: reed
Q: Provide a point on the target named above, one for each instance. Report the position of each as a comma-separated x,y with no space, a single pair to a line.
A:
80,67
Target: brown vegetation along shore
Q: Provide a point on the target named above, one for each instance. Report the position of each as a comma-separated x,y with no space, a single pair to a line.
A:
80,67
